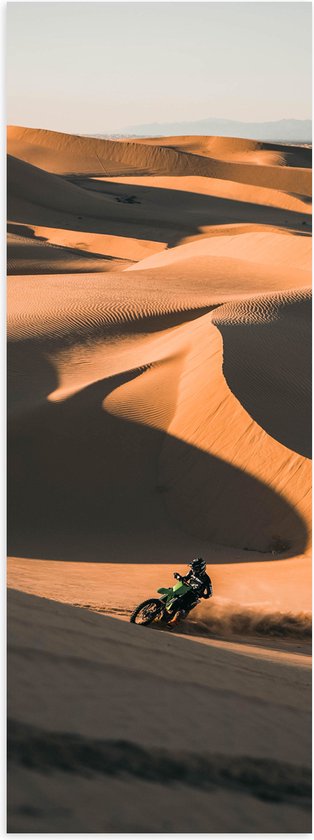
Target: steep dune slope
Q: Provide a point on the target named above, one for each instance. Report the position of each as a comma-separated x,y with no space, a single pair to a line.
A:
160,413
278,396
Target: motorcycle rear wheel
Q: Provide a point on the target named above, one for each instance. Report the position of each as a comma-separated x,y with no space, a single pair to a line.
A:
146,612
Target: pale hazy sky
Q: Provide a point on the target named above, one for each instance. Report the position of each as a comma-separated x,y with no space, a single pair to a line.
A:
96,67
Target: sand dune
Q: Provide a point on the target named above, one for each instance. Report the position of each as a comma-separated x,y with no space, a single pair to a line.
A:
286,389
159,404
237,149
65,154
269,247
260,483
241,194
39,199
34,255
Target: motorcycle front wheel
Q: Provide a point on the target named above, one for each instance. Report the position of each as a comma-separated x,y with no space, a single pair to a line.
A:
147,612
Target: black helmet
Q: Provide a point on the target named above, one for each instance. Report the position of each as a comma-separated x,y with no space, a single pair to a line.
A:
198,565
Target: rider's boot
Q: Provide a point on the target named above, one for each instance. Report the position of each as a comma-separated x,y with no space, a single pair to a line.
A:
176,618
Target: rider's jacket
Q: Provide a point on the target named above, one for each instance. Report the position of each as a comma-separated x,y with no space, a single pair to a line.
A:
202,585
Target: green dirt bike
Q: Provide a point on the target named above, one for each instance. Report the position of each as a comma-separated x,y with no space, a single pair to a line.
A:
173,601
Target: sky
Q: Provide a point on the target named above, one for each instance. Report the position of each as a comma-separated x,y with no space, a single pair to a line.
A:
97,67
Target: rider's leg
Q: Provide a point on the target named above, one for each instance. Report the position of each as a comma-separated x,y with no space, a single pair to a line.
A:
175,620
186,608
179,613
187,605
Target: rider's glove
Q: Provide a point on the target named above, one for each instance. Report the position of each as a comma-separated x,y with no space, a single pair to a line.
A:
176,575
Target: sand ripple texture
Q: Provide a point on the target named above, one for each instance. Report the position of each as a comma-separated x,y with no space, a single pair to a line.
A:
47,306
261,309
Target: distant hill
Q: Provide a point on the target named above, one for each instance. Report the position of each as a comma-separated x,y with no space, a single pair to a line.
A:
293,131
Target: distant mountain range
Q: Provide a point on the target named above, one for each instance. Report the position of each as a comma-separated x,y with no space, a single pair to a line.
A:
293,131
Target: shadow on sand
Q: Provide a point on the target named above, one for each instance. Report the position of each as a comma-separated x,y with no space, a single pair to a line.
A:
161,215
79,476
278,396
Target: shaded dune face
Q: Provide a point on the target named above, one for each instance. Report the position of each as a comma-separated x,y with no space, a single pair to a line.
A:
281,400
32,255
66,474
162,409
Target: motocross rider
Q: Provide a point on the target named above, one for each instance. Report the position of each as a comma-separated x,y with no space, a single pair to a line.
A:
201,585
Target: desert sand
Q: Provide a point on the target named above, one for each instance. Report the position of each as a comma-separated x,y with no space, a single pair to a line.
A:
138,731
159,400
